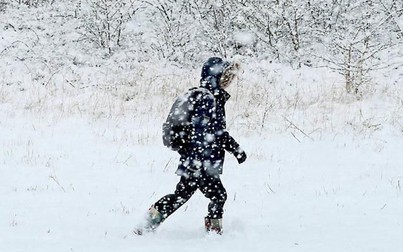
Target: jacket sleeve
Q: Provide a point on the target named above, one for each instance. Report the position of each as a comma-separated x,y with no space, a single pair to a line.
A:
226,141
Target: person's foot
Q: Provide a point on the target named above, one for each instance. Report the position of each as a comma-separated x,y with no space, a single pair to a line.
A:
151,223
213,225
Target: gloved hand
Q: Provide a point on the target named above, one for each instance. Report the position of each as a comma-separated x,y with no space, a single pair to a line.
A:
240,155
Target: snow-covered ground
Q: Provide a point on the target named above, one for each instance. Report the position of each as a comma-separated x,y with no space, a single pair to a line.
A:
80,185
81,155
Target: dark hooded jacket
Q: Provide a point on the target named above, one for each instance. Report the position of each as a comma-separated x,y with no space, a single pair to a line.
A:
209,138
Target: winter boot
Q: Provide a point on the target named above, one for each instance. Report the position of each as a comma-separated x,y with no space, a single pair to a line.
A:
213,225
152,221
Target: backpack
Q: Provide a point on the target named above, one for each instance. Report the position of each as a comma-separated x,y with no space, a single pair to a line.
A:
177,126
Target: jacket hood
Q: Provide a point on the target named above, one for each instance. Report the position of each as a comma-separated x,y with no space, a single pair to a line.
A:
211,73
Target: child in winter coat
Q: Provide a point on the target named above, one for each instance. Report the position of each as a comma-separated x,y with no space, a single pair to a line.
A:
202,148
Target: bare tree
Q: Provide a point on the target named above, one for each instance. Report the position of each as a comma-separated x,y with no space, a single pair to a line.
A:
34,3
344,35
353,35
3,6
282,27
103,22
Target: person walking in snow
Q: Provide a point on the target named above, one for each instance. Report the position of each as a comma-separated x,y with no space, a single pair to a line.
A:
196,128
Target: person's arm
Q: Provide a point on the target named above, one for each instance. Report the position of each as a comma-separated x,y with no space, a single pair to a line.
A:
228,143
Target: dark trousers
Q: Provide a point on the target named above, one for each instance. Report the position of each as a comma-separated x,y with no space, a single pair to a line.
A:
210,186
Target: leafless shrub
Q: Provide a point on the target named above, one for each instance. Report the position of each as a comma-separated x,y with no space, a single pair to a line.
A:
103,22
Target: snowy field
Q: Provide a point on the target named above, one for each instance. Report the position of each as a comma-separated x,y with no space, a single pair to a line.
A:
81,155
75,183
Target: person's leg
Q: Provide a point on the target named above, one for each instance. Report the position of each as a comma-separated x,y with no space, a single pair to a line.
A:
213,189
168,204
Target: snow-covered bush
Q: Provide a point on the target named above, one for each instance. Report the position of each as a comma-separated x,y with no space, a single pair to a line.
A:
103,21
34,3
3,6
355,35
